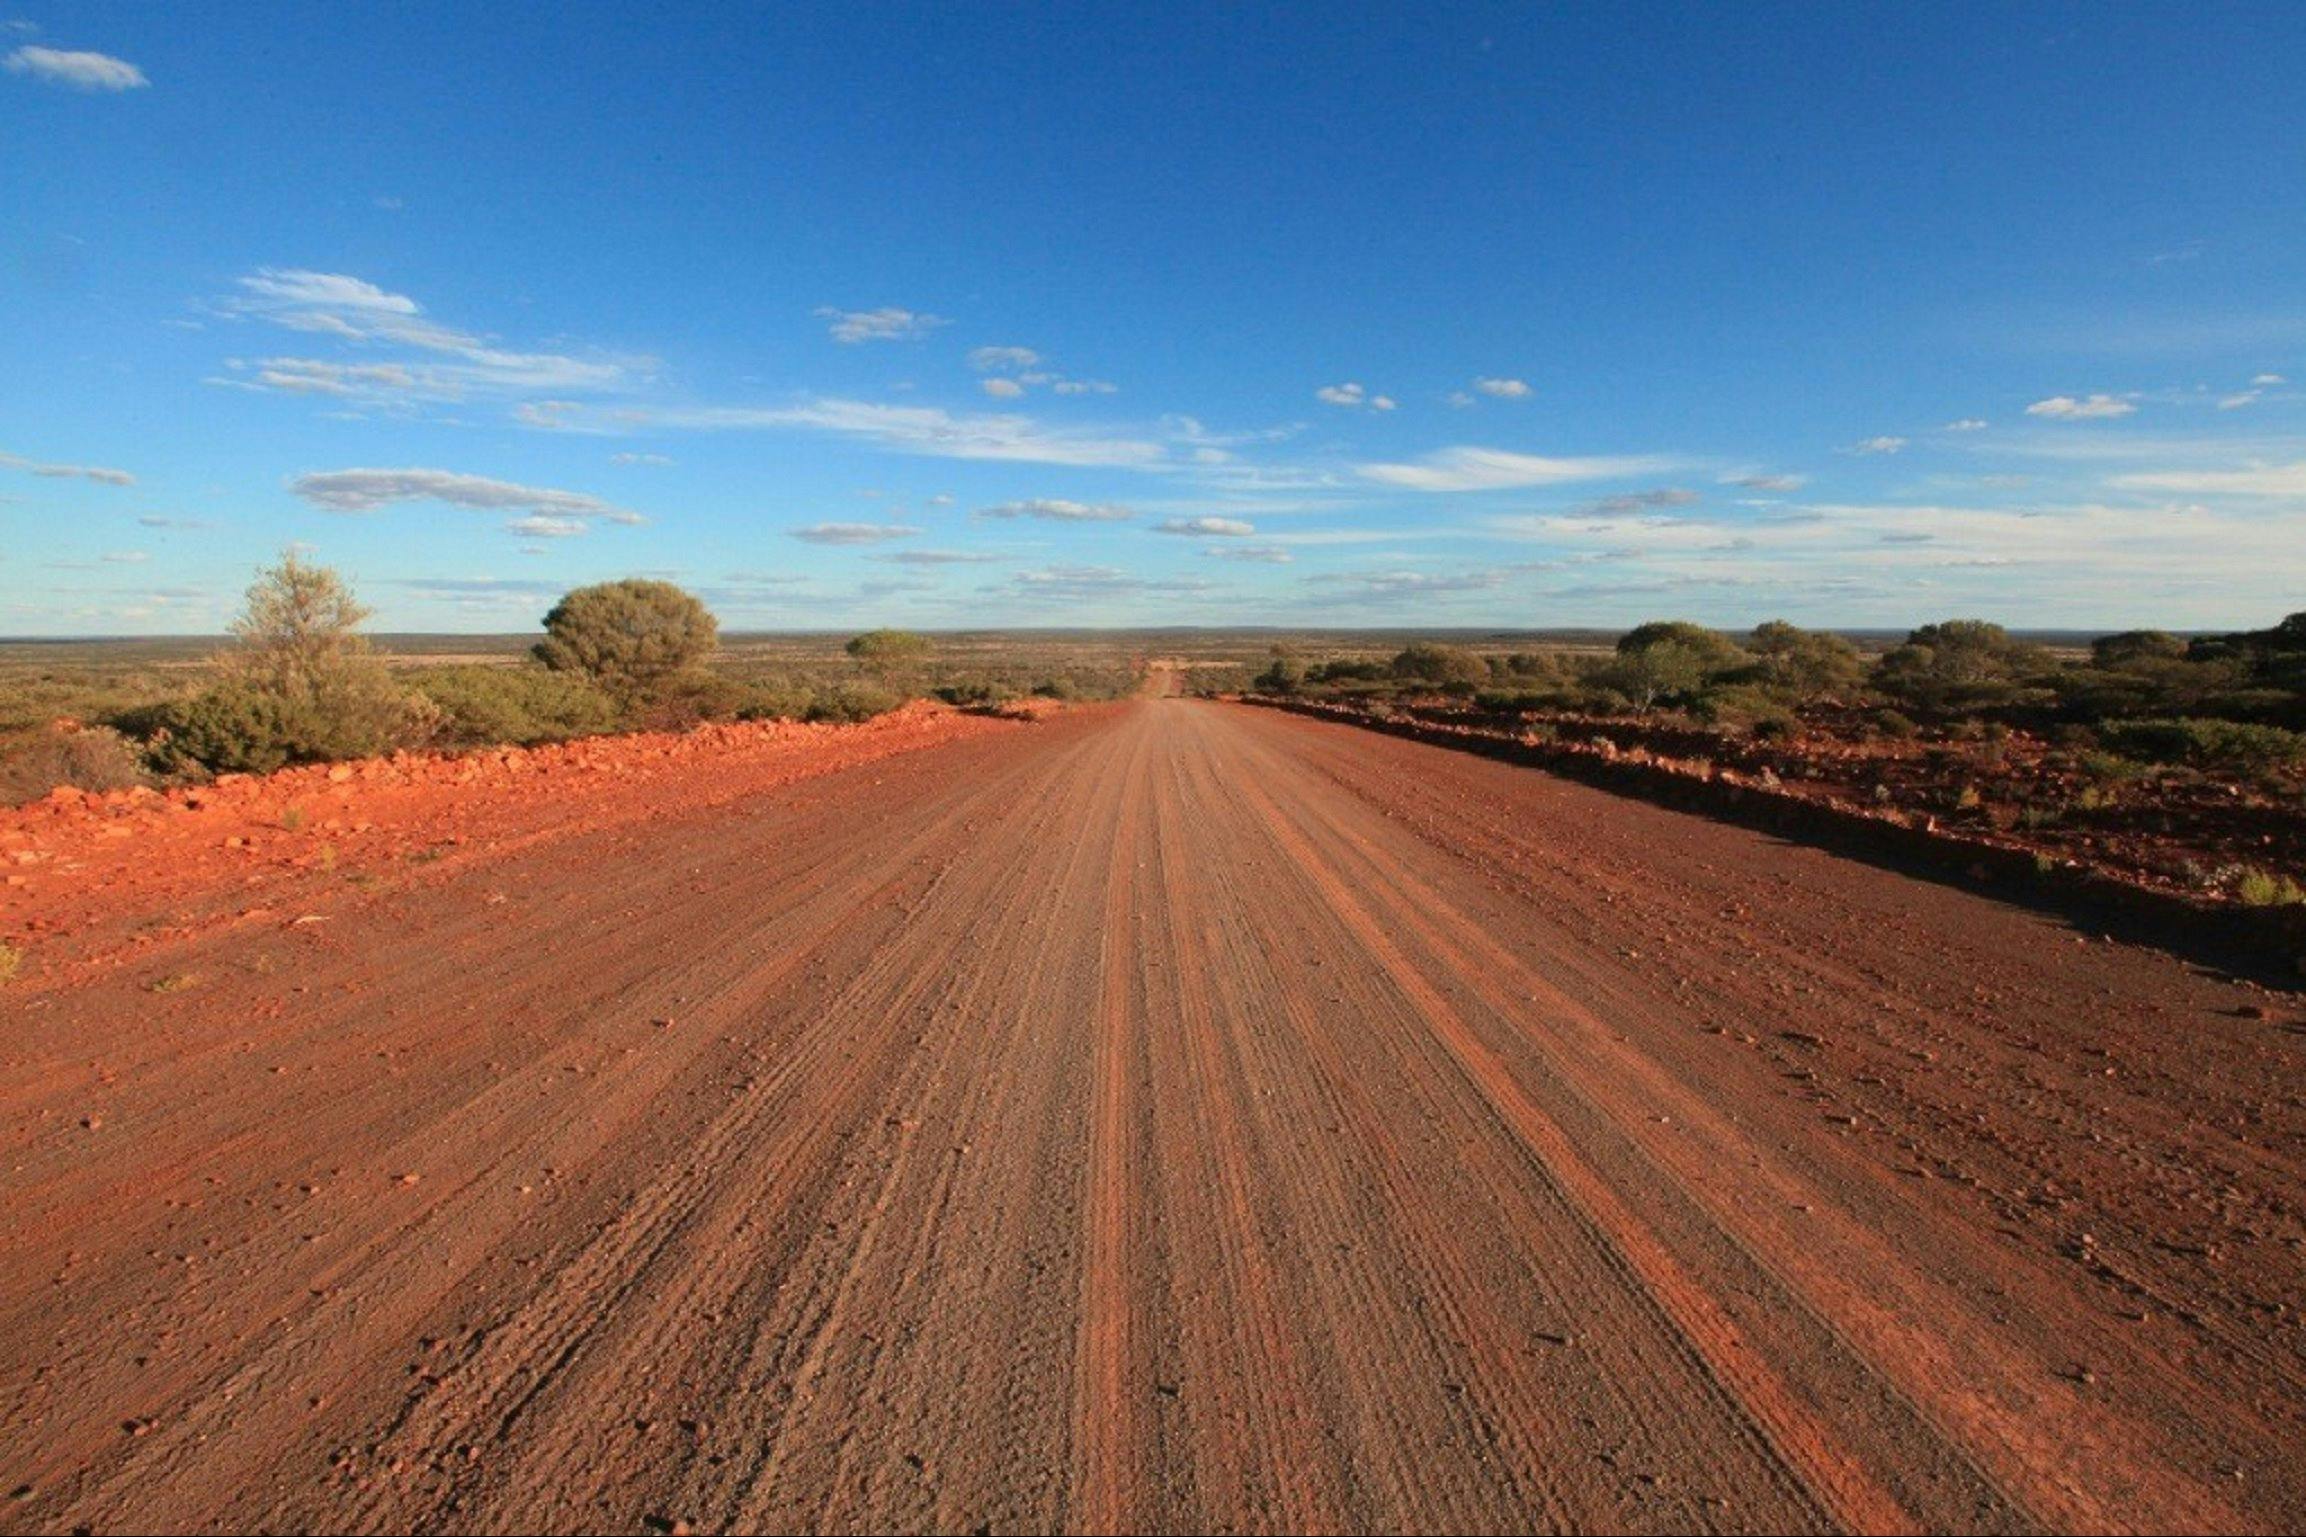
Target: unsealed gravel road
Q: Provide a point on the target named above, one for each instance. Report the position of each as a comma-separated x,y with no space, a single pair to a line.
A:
1168,1116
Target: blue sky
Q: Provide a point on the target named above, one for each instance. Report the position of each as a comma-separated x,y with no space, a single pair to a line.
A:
956,316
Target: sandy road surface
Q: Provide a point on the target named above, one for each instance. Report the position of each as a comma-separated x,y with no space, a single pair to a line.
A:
1170,1116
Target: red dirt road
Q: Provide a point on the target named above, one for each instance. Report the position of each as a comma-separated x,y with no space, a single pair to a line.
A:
1169,1116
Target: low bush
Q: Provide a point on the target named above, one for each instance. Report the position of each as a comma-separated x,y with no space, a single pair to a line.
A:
83,757
2257,888
2206,743
848,704
976,694
520,706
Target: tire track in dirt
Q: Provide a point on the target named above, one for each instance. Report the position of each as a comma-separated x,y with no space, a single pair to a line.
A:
1165,1117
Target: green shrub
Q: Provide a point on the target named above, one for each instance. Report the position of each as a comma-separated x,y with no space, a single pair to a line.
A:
1961,665
1892,724
520,706
2206,743
886,651
848,704
2257,888
1285,676
300,687
1430,662
1804,664
242,727
631,638
975,694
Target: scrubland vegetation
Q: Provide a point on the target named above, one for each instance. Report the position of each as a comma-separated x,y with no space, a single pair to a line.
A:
301,683
2181,758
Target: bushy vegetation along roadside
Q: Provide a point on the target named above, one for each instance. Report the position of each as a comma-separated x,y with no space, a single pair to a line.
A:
2182,760
302,684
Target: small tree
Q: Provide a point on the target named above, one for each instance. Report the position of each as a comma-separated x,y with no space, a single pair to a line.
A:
1960,664
1668,659
300,687
633,638
301,627
1441,666
1804,664
882,652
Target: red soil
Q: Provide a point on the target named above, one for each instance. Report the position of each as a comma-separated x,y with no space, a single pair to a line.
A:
1169,1116
87,875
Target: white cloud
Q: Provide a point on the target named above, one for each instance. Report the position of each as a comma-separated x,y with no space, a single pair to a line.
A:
648,459
1001,389
1503,389
538,525
96,473
297,293
937,558
81,71
1642,501
887,324
2268,379
1382,586
357,312
2088,408
1494,469
927,430
1885,444
1350,394
1966,424
2263,480
988,360
1460,399
2237,401
1070,583
1261,554
1223,528
853,533
552,514
1058,510
1767,482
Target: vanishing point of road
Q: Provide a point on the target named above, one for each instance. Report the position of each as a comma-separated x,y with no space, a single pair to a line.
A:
1171,1115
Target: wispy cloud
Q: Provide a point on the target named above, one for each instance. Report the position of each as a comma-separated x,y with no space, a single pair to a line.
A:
1966,424
1083,583
938,558
924,430
2262,480
445,364
1642,501
1003,359
2087,408
1767,482
1494,469
1352,395
1260,554
1059,510
97,473
1503,389
887,324
1884,444
1206,528
1395,586
551,513
853,533
80,71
